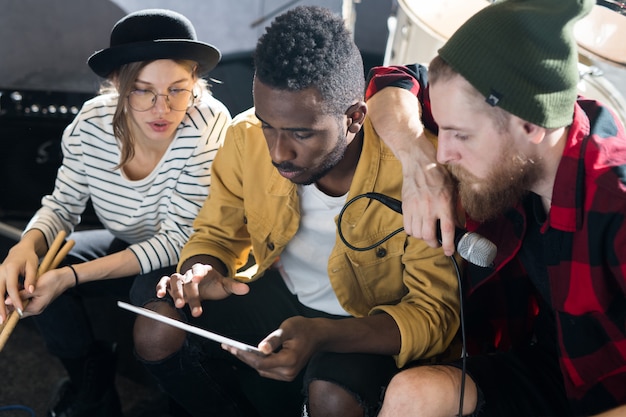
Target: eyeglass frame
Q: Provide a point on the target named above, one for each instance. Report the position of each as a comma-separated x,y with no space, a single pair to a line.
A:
192,97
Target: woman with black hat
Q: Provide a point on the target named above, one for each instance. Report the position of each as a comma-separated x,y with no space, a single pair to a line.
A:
141,151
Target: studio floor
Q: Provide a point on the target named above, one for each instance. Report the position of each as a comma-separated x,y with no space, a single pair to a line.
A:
29,375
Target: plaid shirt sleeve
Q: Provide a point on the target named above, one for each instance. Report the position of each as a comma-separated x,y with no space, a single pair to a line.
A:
412,77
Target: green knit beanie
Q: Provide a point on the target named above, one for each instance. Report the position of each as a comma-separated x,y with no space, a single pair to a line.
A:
522,56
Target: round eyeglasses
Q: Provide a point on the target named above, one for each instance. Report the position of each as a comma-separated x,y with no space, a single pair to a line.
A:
177,99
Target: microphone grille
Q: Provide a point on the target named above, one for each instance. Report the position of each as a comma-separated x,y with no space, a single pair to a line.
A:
477,249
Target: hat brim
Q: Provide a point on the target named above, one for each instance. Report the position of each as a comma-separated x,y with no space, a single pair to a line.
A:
105,61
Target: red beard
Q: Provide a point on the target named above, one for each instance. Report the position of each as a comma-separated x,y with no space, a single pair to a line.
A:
504,187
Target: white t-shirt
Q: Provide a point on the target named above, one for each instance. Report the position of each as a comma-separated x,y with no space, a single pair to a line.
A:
304,262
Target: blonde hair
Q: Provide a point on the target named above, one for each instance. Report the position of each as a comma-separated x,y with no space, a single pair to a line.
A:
122,82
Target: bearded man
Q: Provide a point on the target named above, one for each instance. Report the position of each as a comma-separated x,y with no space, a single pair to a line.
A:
541,173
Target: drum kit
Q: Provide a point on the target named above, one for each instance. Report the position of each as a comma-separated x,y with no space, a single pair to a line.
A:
420,27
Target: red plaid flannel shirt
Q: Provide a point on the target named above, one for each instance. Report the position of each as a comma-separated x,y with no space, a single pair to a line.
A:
587,272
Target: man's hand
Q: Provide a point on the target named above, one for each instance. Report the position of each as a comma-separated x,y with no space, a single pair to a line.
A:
288,350
201,282
294,343
427,189
427,199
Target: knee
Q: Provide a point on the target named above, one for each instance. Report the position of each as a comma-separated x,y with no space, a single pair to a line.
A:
427,391
328,399
153,340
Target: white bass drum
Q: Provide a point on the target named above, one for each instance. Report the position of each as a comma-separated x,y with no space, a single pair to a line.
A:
421,27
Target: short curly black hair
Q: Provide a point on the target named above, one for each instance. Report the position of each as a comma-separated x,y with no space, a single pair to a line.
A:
310,46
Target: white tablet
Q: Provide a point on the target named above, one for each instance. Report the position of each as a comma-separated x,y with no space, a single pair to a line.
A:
189,328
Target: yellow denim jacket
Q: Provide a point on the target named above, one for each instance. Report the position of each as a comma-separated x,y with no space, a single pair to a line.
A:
251,206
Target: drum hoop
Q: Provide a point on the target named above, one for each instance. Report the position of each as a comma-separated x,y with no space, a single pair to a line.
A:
611,96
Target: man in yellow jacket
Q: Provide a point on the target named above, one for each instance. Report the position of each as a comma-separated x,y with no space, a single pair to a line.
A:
335,322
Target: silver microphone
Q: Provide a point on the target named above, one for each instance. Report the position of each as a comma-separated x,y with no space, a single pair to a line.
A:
475,248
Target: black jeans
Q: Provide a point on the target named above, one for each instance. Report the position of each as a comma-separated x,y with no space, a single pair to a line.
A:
64,324
208,381
525,381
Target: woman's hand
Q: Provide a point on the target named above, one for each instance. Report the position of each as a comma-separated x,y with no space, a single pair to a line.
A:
22,260
49,286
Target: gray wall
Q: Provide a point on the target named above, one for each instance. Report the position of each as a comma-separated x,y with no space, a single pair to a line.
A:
44,44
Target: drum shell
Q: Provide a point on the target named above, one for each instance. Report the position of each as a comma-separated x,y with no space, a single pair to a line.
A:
420,27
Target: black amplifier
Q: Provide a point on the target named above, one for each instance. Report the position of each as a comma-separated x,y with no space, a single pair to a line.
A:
31,125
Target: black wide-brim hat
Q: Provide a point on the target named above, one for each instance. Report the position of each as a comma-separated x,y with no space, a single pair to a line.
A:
151,34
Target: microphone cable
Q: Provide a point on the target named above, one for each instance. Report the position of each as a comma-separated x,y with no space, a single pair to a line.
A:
462,330
24,408
374,196
396,206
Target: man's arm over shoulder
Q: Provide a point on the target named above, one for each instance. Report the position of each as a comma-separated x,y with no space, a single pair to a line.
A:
399,108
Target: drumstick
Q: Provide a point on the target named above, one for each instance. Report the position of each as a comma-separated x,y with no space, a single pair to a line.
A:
61,255
52,251
51,260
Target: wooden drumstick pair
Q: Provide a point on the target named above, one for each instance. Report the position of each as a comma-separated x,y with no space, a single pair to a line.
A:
55,254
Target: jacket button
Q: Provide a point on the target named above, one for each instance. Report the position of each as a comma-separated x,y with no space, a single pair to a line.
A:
381,252
245,220
270,246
